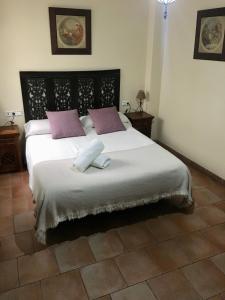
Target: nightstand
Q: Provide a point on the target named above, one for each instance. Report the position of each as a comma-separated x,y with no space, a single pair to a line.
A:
10,154
141,121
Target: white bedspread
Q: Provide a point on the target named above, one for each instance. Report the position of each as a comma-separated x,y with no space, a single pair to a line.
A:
135,177
141,172
40,148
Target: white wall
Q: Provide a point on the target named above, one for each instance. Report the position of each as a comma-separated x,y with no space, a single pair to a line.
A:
192,100
119,40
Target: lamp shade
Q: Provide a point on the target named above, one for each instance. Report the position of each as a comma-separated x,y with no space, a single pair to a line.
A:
141,95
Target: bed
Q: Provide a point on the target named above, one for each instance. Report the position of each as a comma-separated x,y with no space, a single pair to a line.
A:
141,172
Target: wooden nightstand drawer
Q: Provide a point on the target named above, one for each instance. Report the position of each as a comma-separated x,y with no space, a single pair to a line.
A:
144,128
10,156
141,121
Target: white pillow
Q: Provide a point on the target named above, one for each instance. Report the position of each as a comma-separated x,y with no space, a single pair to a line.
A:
124,119
87,121
35,127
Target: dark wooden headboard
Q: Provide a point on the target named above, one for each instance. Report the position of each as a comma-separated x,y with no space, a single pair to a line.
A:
55,91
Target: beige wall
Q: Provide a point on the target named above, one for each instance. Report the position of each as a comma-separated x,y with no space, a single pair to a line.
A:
119,41
154,62
192,101
187,96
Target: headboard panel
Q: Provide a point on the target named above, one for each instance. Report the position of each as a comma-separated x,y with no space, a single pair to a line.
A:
54,91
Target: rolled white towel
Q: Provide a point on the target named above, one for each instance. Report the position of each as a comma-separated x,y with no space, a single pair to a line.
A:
87,155
101,162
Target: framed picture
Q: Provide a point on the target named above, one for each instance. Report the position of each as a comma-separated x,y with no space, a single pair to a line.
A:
70,30
210,35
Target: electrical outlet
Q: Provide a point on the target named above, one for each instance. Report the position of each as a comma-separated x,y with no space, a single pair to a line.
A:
15,113
125,103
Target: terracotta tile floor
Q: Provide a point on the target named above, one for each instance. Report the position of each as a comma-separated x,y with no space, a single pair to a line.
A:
154,252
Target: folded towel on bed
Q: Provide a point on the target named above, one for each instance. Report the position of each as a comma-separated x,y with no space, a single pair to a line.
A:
101,162
87,155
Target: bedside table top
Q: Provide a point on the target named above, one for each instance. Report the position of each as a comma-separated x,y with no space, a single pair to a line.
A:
7,132
137,115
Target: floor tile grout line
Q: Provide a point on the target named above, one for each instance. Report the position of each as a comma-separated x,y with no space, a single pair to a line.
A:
186,265
164,273
192,284
154,294
60,274
41,289
217,295
144,245
204,229
109,259
120,239
129,286
20,286
18,275
115,263
150,278
182,274
83,283
124,279
180,267
157,241
128,250
79,268
14,226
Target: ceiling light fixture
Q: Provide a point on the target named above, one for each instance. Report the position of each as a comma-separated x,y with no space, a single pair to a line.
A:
166,3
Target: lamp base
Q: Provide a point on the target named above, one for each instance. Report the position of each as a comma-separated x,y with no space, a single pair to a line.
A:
140,107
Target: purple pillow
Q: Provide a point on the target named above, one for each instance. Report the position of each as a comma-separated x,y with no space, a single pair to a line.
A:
65,124
106,120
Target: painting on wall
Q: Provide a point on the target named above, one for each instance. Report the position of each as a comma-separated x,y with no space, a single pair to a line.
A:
210,35
70,30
